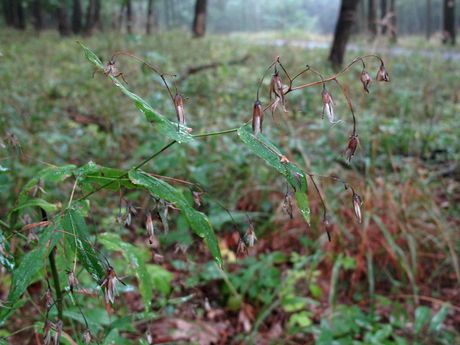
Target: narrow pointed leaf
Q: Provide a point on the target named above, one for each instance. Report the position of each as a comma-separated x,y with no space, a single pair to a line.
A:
29,266
161,123
197,220
266,150
78,239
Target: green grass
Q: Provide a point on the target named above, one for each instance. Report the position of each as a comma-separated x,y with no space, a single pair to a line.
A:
403,257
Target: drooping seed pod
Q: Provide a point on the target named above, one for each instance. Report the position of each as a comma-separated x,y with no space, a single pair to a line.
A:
287,205
179,105
241,249
197,198
382,74
366,80
353,142
110,285
87,336
149,225
257,118
357,202
328,105
47,332
250,236
72,280
49,301
57,332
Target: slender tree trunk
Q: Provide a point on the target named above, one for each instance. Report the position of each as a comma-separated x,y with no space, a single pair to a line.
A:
383,14
129,17
120,15
63,20
37,15
449,22
92,16
372,17
21,24
148,25
394,32
199,22
428,19
7,13
347,17
77,14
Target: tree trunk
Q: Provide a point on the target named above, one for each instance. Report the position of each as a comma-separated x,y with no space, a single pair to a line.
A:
383,14
37,14
77,14
63,20
199,22
449,22
372,17
428,19
21,23
7,12
393,30
129,17
92,16
148,25
343,28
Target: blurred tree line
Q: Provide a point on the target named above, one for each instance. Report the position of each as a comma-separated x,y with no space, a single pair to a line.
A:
220,16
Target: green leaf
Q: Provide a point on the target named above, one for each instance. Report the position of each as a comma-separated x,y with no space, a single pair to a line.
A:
6,259
162,124
263,148
78,239
197,220
92,173
48,207
438,319
48,175
29,266
114,242
422,316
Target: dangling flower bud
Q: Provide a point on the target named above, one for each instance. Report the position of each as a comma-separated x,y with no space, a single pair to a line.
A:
328,105
382,74
257,118
57,332
241,249
287,205
72,280
357,202
197,198
250,236
352,146
149,225
366,80
110,284
179,105
47,332
87,336
49,301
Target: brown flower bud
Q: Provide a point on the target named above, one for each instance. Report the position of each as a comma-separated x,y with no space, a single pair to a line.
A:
110,284
47,332
72,280
366,80
241,250
57,332
250,236
257,118
149,225
382,74
357,202
87,336
179,105
352,146
328,105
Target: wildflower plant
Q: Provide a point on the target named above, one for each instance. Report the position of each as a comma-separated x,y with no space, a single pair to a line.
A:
63,227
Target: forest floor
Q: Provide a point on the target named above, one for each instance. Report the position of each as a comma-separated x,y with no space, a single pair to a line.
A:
393,279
